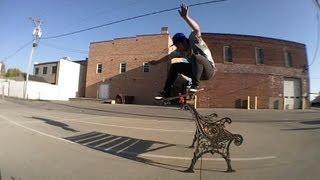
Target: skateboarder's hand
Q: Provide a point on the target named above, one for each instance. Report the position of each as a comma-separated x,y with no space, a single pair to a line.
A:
184,11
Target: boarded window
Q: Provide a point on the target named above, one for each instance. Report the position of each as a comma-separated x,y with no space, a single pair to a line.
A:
45,70
227,53
123,67
99,68
259,55
146,67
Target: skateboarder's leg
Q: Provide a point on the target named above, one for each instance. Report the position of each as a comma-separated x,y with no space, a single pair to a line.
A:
175,69
202,69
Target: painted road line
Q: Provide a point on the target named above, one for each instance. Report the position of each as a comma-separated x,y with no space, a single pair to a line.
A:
147,155
141,154
133,127
33,130
124,127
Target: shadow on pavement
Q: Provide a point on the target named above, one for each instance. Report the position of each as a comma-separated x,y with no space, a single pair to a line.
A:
126,147
301,129
316,122
311,122
56,123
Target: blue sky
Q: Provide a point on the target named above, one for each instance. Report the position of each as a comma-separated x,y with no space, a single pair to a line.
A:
293,20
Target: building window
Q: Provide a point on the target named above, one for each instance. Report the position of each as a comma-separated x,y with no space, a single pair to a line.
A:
227,53
45,70
259,56
146,67
287,59
36,71
99,68
123,67
54,70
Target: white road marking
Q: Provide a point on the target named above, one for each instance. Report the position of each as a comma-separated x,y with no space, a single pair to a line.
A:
190,158
33,130
133,127
207,159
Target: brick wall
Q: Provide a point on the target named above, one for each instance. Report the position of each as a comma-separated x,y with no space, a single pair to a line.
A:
134,51
230,87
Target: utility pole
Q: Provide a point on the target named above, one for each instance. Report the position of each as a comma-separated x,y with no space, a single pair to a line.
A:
37,32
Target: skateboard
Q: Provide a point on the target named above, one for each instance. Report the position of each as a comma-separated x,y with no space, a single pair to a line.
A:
189,96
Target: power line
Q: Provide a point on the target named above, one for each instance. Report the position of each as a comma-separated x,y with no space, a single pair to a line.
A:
65,49
130,18
99,13
318,32
17,51
317,42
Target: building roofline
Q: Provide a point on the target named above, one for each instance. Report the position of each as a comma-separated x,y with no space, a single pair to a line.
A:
129,37
50,62
253,36
53,62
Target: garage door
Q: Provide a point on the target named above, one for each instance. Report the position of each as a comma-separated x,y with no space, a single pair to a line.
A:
104,91
292,93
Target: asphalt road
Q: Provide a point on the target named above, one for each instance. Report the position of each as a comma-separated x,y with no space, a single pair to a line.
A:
83,140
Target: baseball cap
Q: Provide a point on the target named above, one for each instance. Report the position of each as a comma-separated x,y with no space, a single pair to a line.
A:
178,37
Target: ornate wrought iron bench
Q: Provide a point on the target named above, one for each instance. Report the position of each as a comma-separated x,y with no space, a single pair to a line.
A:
212,137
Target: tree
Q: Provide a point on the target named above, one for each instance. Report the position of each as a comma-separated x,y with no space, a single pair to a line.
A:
14,72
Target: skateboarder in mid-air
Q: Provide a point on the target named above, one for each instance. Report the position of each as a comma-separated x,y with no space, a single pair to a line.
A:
200,64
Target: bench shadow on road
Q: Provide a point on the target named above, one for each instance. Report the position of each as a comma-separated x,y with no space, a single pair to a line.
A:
127,147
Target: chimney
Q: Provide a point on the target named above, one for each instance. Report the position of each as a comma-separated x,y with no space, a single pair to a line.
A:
164,30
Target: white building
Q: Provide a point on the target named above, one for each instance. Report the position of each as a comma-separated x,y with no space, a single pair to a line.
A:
64,70
69,78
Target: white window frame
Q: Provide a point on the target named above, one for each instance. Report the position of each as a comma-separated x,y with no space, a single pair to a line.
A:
120,67
97,68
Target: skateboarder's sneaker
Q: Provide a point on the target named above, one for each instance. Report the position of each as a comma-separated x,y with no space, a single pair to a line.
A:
162,95
195,89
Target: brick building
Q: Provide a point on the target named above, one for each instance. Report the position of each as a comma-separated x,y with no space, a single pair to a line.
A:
271,69
120,66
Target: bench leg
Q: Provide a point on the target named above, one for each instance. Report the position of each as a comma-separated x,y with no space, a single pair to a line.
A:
196,155
226,157
195,137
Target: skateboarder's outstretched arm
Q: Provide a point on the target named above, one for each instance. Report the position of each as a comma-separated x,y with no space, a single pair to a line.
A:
184,13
